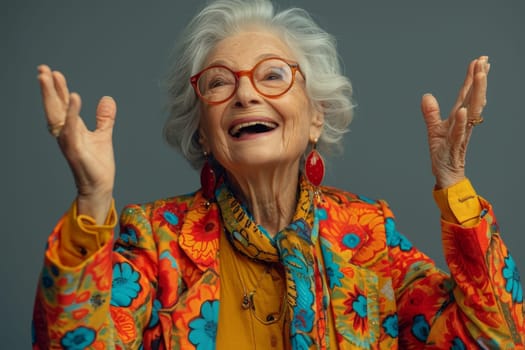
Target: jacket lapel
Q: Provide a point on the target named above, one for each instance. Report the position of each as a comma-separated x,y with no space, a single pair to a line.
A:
345,228
198,308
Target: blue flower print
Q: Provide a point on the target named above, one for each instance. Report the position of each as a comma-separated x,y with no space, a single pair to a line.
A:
155,314
359,306
420,328
203,330
391,326
171,218
129,235
332,269
394,238
301,341
512,276
78,339
457,344
351,240
321,214
125,284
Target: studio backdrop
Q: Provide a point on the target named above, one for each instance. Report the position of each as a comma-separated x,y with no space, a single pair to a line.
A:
393,52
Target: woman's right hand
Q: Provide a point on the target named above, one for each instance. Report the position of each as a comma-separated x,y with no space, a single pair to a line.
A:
88,153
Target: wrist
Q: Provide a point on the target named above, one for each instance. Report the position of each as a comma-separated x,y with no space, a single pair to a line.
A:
448,181
96,205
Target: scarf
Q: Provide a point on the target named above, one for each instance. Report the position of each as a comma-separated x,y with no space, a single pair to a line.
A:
294,248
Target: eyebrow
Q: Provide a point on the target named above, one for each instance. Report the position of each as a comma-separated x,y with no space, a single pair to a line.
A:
258,58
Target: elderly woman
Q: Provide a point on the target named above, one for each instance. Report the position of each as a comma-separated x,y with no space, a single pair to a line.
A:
263,256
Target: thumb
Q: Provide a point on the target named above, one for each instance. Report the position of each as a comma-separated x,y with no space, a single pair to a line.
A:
430,110
106,113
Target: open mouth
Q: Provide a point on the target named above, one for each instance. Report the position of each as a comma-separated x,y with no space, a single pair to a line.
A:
252,127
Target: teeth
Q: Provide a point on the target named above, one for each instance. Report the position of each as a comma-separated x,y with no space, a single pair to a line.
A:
237,128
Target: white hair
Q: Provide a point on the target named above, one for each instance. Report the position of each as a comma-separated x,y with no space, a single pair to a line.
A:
315,51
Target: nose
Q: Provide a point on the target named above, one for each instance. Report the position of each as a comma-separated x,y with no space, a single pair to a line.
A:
246,93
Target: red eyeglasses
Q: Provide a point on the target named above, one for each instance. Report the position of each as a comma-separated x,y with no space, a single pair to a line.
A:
271,77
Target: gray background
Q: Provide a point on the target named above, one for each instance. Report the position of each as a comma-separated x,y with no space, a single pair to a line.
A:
394,51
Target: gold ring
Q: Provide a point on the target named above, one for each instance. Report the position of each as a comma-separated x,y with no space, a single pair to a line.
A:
475,122
55,129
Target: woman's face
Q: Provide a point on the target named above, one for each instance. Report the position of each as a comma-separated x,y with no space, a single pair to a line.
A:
287,123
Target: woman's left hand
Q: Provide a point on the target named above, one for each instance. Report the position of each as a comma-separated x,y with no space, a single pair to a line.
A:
448,139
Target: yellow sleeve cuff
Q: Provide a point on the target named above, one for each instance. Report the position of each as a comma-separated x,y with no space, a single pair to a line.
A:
81,237
459,203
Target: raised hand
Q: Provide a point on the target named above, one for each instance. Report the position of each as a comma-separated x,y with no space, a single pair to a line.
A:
88,153
448,139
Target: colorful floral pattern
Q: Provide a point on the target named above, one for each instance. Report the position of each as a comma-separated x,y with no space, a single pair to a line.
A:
203,329
333,270
125,284
512,276
160,287
78,339
420,328
394,238
391,325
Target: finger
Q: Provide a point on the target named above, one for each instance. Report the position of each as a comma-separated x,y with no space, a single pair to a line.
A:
430,110
459,127
465,90
478,98
61,87
106,113
53,106
73,114
468,130
459,136
70,138
43,72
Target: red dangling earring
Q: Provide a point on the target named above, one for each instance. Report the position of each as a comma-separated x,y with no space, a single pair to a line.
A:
314,167
208,181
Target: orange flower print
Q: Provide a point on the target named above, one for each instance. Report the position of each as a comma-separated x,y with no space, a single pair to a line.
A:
124,324
200,236
101,271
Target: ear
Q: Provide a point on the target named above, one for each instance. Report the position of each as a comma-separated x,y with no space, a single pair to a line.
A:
316,126
203,140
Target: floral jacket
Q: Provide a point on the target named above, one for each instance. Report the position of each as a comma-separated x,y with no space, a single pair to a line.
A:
158,285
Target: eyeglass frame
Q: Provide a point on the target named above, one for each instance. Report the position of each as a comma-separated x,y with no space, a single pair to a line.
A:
240,73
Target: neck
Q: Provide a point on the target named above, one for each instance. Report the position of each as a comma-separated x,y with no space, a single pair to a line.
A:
270,195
